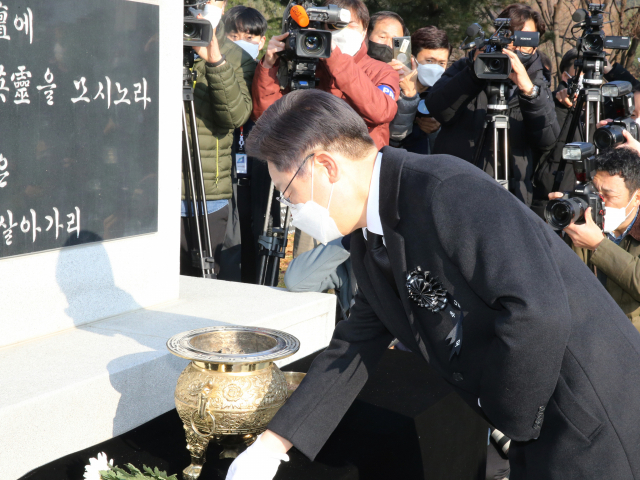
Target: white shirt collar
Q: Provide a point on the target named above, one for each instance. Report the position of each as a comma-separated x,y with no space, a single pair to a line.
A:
373,203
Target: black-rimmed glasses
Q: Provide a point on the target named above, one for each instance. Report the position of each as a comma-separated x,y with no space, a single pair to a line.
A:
284,200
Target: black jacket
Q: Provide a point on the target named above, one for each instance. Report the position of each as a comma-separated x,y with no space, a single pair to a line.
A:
543,344
459,103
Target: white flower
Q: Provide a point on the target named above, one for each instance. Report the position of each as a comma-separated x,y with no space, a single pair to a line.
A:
96,465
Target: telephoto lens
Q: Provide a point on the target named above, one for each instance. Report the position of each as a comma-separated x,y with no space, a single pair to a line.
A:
608,136
559,214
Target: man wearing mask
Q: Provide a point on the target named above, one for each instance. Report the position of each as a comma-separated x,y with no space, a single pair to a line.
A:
613,254
458,101
222,103
383,28
368,86
438,249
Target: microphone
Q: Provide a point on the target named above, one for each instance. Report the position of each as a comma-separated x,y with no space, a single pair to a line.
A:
580,15
299,14
473,30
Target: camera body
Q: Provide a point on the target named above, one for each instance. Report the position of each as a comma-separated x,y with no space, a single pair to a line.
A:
196,32
309,40
571,208
619,104
493,64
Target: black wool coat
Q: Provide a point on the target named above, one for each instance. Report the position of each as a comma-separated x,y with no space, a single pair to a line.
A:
459,103
552,358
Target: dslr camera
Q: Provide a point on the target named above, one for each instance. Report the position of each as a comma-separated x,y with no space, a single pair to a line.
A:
619,105
196,32
309,40
493,64
571,208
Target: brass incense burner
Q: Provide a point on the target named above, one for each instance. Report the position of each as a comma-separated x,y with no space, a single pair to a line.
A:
231,389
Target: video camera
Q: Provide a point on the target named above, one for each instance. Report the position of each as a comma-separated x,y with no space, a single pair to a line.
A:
593,41
561,213
196,32
493,64
619,107
309,40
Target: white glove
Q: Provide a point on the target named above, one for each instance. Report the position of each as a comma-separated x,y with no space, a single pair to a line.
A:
256,463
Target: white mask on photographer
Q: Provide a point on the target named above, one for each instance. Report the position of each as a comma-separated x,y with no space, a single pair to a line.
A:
348,40
429,74
210,12
251,48
614,217
315,220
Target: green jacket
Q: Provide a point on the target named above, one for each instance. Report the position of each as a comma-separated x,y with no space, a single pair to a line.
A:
222,101
621,265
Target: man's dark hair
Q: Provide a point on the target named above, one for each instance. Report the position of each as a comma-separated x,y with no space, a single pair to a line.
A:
429,38
357,8
568,59
519,14
621,161
376,17
241,19
305,120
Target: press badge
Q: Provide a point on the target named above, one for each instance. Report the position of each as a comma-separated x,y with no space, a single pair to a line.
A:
241,163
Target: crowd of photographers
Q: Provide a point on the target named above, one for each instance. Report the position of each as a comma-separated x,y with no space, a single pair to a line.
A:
412,96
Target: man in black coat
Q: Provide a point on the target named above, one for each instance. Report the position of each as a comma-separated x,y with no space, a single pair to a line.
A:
458,101
527,336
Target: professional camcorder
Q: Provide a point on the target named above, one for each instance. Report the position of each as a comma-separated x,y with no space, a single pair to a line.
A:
593,41
493,64
309,40
196,32
571,208
620,106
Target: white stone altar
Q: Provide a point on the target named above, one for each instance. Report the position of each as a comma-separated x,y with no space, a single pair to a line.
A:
83,329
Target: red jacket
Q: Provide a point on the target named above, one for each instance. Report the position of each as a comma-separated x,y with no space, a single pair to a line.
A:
355,79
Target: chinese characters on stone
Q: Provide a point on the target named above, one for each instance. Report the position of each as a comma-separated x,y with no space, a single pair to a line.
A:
30,224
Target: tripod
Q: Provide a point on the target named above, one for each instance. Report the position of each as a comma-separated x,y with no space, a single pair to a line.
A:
200,246
496,120
588,98
273,245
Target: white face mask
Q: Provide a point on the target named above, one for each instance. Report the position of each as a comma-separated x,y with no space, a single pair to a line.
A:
348,40
251,48
614,217
210,12
428,75
315,220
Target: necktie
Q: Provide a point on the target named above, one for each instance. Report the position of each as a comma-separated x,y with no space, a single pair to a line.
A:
379,255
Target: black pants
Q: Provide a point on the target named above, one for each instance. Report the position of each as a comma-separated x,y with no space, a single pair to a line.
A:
217,230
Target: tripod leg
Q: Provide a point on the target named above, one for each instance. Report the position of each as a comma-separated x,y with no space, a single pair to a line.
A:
192,188
262,273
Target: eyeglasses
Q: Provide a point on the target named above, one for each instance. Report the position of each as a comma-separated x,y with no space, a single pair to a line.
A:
285,200
443,64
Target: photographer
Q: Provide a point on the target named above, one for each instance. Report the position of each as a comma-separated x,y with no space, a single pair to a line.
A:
614,254
222,103
459,103
368,86
383,28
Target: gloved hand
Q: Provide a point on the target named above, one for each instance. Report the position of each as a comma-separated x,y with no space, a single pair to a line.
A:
256,463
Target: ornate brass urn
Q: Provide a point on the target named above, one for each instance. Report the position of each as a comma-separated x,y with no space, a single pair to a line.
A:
231,389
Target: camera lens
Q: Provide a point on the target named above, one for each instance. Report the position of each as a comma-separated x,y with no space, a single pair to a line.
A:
608,136
312,43
559,214
496,65
190,30
593,42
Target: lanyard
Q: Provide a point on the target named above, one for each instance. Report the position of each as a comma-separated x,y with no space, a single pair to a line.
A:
241,140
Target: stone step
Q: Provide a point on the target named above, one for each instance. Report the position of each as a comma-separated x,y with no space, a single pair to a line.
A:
68,391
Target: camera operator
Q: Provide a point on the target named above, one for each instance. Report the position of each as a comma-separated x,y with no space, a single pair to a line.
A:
614,254
222,103
370,87
459,103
